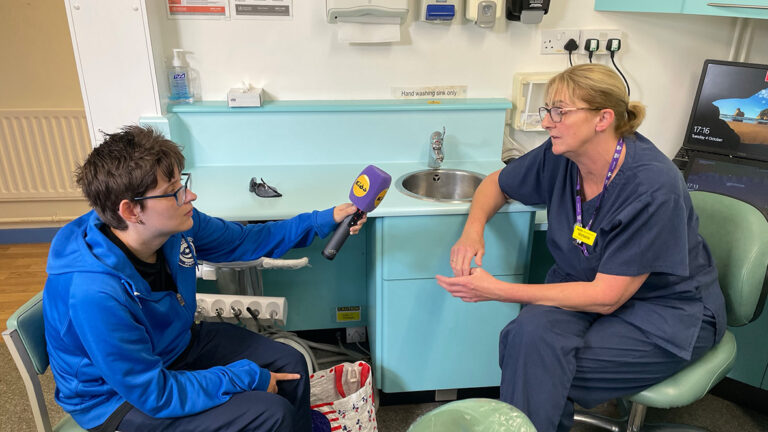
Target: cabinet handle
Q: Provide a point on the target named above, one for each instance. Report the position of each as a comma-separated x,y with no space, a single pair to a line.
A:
732,5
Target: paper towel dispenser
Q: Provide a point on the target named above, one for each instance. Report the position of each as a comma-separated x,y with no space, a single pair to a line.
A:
365,10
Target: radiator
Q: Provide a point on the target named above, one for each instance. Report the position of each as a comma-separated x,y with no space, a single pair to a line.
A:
39,150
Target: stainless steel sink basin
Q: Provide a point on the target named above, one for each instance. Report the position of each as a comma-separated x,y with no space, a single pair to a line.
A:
444,185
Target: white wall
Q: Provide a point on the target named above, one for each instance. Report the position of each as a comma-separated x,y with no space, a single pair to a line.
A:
301,58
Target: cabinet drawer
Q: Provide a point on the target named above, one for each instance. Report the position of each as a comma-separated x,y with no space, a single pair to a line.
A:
735,8
672,6
755,9
432,340
417,247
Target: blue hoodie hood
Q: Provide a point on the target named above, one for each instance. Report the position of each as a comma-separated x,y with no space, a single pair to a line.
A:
80,247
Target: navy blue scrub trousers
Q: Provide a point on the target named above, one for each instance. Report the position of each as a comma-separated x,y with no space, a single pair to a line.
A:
551,358
217,344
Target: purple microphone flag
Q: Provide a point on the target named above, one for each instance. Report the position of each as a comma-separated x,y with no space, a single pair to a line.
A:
369,188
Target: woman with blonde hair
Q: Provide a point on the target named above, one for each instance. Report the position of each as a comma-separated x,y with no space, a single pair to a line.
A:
633,295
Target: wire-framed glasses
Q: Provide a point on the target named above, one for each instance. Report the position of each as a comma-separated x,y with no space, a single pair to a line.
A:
556,113
180,195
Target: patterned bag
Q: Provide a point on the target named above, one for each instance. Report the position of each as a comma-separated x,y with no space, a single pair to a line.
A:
344,394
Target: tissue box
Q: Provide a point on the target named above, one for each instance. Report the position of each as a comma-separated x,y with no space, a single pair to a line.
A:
239,97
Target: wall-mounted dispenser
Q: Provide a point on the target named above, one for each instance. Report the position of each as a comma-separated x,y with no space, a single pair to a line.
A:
527,11
367,21
530,93
484,13
366,11
441,11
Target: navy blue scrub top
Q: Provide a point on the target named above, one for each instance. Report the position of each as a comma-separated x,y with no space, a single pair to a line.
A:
645,224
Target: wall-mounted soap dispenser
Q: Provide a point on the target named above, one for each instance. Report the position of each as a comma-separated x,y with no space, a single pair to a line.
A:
527,11
441,11
484,13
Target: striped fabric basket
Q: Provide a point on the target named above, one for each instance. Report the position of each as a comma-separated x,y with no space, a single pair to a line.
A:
344,394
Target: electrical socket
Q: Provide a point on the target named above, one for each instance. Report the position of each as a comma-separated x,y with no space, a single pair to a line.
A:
203,306
257,307
602,36
355,334
268,308
219,308
237,306
553,41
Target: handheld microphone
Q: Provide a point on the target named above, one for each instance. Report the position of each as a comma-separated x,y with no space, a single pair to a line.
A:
367,192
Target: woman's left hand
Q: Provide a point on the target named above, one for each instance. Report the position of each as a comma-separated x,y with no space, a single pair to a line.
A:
478,286
341,211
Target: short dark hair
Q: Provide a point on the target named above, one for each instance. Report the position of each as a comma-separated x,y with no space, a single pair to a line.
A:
125,166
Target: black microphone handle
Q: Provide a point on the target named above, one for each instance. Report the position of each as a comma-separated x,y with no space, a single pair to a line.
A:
338,238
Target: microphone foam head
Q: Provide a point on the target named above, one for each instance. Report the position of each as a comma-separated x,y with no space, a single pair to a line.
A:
369,188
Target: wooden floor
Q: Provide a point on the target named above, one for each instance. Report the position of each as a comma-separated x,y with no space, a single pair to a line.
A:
22,275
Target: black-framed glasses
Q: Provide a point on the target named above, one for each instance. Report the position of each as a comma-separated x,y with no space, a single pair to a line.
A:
180,195
556,113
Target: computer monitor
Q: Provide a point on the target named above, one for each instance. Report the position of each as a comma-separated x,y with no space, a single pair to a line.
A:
730,111
743,179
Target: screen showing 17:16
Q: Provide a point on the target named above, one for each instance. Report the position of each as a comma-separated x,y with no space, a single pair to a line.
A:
731,110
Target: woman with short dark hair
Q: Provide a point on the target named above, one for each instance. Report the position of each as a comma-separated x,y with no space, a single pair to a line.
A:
119,303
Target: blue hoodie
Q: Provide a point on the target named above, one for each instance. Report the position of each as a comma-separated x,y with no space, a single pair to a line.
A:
110,337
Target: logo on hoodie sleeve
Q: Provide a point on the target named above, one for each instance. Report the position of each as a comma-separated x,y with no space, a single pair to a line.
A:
186,253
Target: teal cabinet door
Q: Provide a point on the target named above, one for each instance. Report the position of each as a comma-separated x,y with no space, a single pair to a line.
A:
422,338
669,6
420,246
313,293
432,340
736,8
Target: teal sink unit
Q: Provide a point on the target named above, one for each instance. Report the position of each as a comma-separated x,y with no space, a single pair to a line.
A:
421,337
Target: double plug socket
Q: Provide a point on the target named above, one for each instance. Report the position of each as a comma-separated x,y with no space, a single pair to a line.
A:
268,309
553,41
602,36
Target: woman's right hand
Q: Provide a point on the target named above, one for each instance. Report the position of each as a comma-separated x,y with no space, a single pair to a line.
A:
467,247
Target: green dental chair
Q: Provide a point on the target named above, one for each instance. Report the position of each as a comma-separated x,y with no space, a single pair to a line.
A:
737,236
25,338
470,415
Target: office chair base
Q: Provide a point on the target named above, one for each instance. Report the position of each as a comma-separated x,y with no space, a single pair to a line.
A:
614,424
607,423
670,427
633,422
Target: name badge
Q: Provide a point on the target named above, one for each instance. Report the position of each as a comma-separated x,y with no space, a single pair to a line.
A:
584,235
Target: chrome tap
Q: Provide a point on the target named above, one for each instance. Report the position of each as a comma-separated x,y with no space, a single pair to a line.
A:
436,146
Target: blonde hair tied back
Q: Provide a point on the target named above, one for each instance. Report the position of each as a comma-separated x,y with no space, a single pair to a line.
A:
598,86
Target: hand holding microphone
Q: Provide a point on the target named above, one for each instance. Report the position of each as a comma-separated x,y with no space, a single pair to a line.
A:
367,192
341,211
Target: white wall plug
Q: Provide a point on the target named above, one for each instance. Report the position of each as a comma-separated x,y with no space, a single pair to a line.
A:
219,308
227,306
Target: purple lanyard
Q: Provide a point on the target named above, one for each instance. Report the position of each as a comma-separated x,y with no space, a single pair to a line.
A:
611,169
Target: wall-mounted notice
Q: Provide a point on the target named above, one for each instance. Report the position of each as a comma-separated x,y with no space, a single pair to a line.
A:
431,92
262,9
198,8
